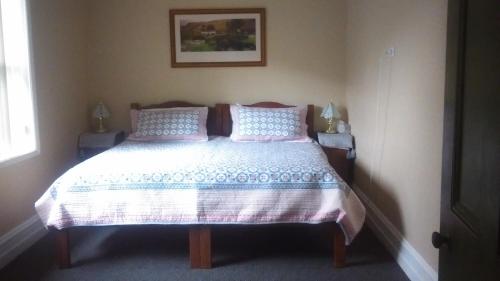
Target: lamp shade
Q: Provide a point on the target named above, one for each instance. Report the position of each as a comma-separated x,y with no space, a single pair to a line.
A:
101,111
330,111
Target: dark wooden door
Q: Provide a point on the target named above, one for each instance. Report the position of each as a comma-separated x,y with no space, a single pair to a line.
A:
469,239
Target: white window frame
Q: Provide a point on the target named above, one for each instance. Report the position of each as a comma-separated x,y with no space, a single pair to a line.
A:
36,151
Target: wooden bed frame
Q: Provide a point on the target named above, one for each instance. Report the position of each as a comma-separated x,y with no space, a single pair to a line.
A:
218,123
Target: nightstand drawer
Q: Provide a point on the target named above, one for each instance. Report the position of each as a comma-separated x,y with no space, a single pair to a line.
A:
345,141
86,153
339,148
90,144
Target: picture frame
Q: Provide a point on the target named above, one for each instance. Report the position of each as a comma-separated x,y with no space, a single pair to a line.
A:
218,37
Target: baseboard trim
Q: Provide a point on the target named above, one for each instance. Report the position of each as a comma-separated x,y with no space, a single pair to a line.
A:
412,263
20,238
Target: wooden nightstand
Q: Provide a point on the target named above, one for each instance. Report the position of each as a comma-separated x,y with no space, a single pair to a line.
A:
337,148
90,144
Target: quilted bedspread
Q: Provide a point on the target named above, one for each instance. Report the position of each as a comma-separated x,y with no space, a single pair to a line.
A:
213,182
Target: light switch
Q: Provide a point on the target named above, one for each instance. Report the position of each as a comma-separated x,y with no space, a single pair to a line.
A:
391,52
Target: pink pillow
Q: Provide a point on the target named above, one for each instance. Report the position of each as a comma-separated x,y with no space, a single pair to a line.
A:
269,124
178,123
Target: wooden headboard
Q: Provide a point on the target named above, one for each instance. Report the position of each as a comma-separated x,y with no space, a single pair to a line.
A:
224,122
219,118
212,128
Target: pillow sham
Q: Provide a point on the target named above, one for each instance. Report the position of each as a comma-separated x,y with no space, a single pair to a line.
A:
178,123
269,124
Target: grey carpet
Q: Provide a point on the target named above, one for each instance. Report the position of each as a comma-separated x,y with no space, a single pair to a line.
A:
285,252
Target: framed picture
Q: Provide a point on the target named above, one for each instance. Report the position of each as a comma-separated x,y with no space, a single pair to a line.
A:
218,37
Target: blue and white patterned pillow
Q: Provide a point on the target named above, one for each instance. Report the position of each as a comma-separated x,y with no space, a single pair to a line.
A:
269,124
180,123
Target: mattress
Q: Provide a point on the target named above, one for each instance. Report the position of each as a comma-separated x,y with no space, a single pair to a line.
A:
214,182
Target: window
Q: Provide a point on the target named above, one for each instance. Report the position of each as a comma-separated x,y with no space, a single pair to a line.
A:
18,135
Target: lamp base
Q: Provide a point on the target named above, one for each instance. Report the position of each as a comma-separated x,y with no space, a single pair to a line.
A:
101,128
331,127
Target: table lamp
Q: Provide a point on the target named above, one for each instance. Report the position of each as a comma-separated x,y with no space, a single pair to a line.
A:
330,113
101,112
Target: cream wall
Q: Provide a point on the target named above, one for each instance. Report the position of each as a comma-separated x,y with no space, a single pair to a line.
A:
395,106
118,51
129,56
59,49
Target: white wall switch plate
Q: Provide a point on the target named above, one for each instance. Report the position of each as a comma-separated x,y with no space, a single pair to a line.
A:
391,52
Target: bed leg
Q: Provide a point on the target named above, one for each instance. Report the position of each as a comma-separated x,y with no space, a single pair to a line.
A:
200,247
339,249
62,248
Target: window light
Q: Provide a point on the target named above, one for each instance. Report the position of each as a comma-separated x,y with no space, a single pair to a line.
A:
18,135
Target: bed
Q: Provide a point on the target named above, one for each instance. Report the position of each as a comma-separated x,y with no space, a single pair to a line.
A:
199,184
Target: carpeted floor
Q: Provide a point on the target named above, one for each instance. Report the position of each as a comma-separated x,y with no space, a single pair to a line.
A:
285,252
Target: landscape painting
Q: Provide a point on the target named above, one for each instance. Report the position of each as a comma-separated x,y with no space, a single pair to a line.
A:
217,37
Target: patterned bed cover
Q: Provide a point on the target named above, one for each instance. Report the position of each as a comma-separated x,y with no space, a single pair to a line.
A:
213,182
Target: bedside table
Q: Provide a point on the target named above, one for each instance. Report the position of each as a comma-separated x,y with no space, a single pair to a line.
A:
90,144
338,148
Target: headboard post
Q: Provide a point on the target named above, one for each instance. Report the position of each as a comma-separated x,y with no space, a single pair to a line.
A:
310,121
223,117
